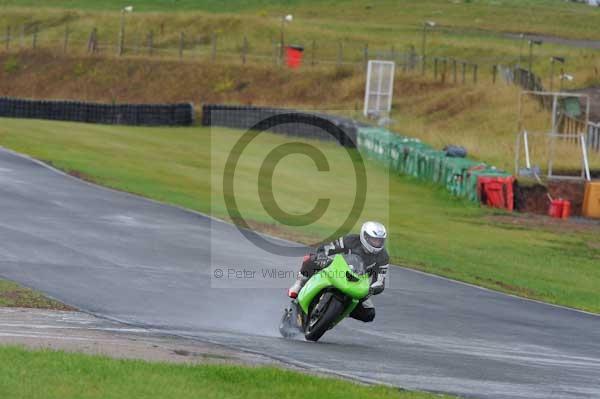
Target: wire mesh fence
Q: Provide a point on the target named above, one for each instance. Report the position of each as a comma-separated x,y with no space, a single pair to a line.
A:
223,48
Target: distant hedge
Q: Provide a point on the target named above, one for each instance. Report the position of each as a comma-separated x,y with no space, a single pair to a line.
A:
113,114
281,120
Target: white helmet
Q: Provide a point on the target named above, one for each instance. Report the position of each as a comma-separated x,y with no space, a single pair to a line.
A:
372,236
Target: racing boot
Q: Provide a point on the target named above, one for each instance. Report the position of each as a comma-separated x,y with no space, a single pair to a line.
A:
295,289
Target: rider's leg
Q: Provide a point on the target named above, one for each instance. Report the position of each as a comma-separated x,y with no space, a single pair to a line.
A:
364,311
308,268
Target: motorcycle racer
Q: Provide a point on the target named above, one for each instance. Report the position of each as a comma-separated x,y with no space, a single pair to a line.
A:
370,246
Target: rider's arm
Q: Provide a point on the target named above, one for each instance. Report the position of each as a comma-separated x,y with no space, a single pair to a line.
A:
335,247
378,285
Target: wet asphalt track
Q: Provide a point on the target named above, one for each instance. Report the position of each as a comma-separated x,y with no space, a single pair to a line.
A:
134,260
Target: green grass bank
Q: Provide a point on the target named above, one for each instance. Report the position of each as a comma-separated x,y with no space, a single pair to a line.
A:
59,375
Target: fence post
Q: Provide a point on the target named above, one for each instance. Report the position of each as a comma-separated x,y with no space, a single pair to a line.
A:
494,73
244,49
7,38
413,58
464,72
366,55
181,44
35,33
150,43
393,53
92,41
313,52
435,68
138,43
213,43
454,70
340,59
444,69
475,67
66,41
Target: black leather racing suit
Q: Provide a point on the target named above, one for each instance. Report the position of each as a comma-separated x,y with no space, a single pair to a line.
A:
378,263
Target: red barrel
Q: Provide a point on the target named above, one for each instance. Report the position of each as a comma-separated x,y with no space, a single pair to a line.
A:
566,211
496,191
555,210
560,209
294,56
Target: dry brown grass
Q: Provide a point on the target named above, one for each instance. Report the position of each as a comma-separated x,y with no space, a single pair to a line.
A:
44,75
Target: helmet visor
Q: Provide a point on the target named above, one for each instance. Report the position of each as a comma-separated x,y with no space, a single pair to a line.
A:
375,242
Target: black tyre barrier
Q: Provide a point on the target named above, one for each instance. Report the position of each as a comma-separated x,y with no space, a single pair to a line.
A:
111,114
244,117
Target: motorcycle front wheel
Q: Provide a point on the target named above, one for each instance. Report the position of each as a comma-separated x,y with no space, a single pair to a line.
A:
322,316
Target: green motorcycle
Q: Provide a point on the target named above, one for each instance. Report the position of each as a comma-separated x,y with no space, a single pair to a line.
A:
328,297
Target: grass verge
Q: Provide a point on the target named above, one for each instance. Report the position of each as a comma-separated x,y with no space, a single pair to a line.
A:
430,230
47,374
13,295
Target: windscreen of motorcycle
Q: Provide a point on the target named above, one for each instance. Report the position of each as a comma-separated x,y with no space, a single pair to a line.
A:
355,263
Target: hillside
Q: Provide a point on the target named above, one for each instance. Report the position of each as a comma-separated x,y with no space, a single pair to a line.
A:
481,32
481,117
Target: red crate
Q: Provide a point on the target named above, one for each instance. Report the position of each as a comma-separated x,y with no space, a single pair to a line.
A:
496,191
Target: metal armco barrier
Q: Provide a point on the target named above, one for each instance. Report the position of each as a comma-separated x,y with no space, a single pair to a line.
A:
288,121
112,114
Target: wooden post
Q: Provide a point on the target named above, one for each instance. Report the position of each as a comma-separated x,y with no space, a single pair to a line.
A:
475,67
494,73
35,33
464,72
340,58
313,52
150,43
121,42
393,53
435,68
138,43
181,44
244,49
7,38
92,41
213,41
454,70
366,56
196,43
413,57
66,40
444,67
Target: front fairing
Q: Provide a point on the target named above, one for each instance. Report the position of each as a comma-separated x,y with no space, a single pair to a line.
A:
334,275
